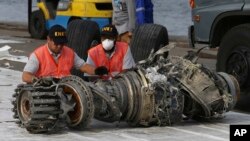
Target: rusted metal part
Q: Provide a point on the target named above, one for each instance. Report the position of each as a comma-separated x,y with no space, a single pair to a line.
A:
233,90
105,101
159,91
214,92
83,111
36,109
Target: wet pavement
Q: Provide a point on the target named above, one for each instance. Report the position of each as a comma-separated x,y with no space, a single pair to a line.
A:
188,130
10,75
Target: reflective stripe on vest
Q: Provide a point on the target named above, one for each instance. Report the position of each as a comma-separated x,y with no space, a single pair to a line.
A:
115,63
48,66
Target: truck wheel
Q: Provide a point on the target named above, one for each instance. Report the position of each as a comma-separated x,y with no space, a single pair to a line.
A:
234,54
146,38
82,35
37,25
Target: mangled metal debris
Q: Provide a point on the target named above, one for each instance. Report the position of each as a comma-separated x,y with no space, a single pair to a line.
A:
159,92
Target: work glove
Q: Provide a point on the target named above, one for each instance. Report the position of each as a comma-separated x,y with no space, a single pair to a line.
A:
34,79
102,70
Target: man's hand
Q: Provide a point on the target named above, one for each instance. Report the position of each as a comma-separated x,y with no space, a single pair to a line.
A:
28,77
102,70
130,34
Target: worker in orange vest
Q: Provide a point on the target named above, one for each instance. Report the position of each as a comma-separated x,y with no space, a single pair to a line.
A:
54,59
115,56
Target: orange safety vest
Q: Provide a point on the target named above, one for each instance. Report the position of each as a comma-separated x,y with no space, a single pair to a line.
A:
113,64
48,66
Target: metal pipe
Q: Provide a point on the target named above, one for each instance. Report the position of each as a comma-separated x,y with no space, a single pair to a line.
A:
29,12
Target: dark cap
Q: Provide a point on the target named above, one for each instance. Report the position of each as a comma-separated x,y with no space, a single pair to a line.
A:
58,34
109,30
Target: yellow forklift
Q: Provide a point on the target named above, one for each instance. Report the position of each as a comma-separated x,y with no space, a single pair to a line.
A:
62,12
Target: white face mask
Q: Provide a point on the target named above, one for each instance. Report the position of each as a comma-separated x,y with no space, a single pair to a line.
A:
108,44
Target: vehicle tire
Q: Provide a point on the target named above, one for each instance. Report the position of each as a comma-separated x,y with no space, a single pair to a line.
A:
37,25
82,35
234,55
147,37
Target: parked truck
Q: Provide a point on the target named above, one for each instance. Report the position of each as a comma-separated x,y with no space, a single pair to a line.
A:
224,24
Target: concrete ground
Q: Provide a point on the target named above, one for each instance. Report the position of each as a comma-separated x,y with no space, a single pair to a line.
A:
187,130
10,76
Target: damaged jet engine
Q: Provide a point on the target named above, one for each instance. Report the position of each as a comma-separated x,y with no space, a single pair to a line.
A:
159,91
